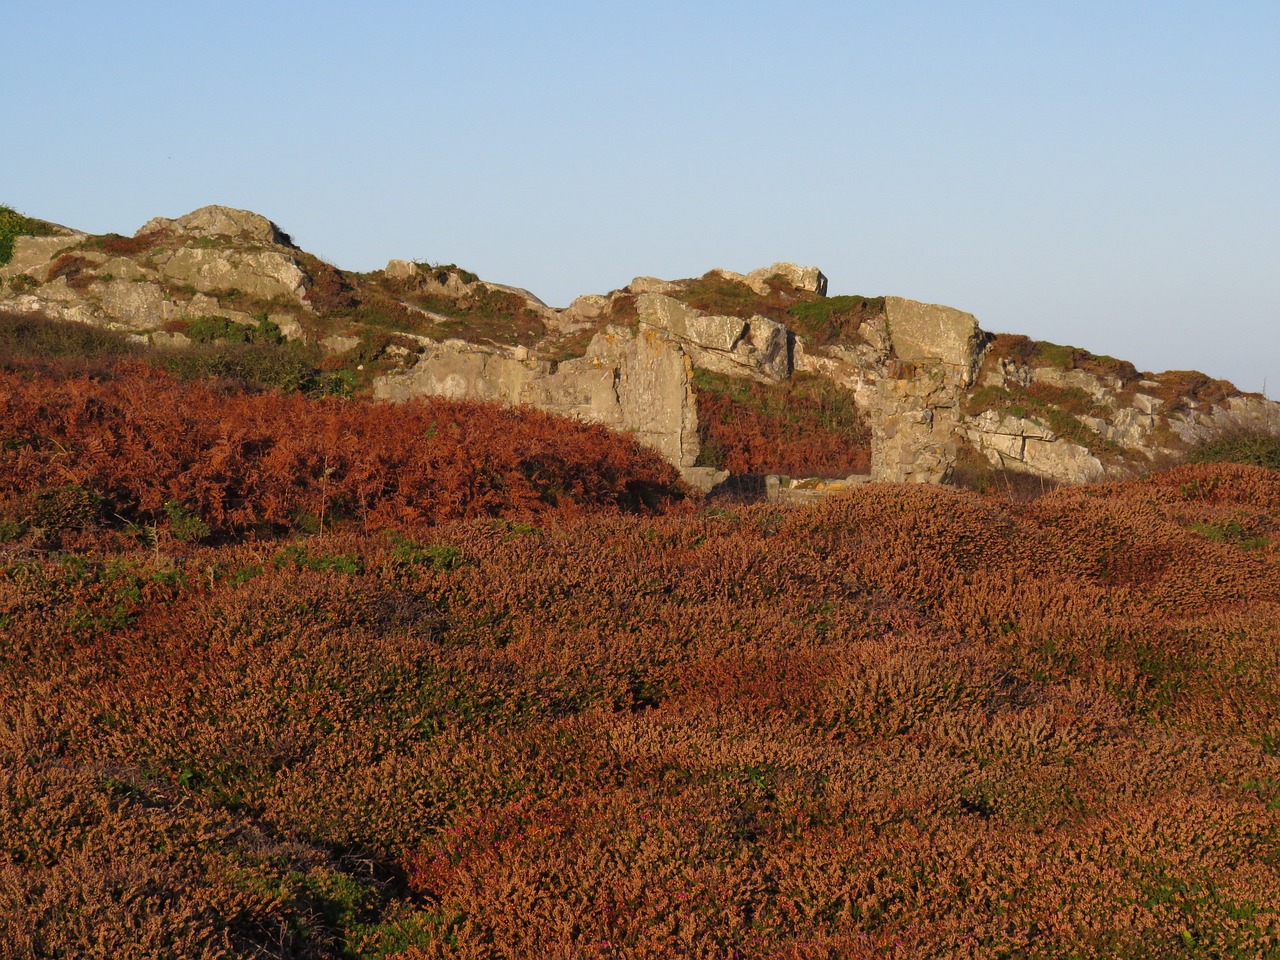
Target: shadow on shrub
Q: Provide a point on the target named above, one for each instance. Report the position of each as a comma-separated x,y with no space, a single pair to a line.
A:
1253,448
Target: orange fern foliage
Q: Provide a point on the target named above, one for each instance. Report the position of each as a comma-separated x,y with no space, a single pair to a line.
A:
140,442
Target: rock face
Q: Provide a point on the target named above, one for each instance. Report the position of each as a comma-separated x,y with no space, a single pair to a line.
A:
264,274
1015,443
637,382
915,412
802,278
930,334
32,255
756,347
914,416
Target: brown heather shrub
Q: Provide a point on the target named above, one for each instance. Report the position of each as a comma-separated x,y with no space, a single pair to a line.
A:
803,428
909,722
158,452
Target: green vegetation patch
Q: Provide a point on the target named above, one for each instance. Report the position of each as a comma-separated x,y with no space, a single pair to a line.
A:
208,329
287,367
830,319
13,225
1231,532
1042,353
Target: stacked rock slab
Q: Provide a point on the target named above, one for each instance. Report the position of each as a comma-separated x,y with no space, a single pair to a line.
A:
757,348
915,410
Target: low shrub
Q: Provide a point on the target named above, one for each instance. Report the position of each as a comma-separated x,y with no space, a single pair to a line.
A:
806,426
31,341
238,365
205,462
208,329
906,722
829,319
1253,447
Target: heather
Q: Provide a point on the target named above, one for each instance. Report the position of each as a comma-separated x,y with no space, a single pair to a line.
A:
138,453
804,427
905,722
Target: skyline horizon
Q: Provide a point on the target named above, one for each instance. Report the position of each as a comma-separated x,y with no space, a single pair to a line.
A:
1102,176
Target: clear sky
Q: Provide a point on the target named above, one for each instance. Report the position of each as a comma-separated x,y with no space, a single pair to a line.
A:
1105,174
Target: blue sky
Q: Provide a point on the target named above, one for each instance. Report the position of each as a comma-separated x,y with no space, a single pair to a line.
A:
1100,174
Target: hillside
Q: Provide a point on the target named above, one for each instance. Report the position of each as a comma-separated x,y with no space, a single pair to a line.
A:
291,671
909,722
760,373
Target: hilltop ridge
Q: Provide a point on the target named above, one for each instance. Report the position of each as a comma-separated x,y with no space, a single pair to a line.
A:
879,387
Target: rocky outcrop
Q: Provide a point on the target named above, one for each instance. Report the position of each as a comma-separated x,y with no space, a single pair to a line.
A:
1016,443
32,255
218,221
914,415
933,386
262,274
192,266
757,347
915,408
933,336
810,279
639,382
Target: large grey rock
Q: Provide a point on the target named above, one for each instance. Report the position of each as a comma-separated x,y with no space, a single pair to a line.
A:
637,382
219,221
652,285
139,306
591,306
1247,413
1016,443
913,428
802,278
400,269
758,347
932,332
339,344
915,409
1100,389
264,274
48,303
